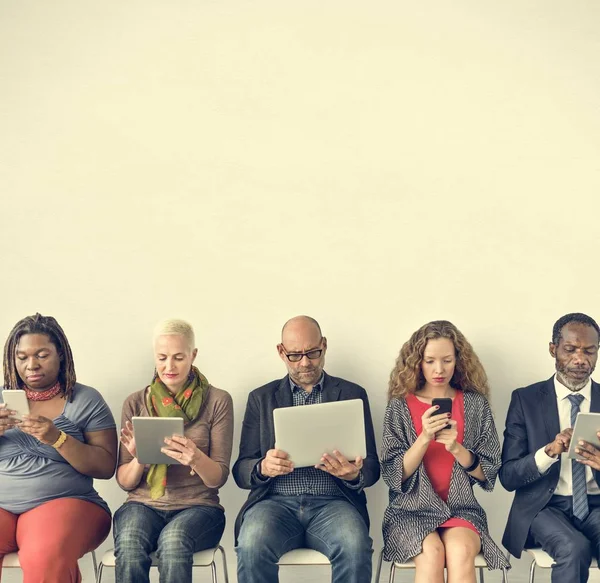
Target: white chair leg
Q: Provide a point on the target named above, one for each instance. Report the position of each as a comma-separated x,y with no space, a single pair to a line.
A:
379,564
224,557
99,575
95,563
532,571
392,572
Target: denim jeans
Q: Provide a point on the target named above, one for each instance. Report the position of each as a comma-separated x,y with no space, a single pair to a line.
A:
278,524
175,535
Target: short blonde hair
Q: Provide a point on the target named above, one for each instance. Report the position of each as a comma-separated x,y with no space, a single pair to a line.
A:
173,326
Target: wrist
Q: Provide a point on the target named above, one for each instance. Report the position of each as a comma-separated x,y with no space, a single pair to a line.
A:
62,437
260,470
353,477
56,434
456,449
196,460
474,462
549,452
423,440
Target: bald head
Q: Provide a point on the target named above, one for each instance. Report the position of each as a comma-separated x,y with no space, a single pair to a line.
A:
300,324
300,337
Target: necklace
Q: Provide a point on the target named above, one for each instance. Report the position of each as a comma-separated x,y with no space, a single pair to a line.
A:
42,395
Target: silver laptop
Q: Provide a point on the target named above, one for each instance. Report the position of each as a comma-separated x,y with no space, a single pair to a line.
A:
150,433
309,431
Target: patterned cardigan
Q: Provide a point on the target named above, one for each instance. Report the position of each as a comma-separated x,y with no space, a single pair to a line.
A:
414,509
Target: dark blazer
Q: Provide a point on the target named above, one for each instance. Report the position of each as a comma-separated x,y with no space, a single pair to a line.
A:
531,423
258,436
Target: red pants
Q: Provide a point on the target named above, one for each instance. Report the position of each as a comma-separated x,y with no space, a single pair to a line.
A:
52,537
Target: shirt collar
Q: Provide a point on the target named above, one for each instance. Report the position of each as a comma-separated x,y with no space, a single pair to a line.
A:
318,386
562,392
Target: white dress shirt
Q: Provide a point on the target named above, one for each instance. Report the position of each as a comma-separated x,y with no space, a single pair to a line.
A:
544,461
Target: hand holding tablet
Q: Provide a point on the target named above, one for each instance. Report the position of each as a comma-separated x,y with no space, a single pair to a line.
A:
585,441
340,467
306,433
150,433
276,463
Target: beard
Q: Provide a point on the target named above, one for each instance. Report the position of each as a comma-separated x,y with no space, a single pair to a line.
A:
307,376
572,384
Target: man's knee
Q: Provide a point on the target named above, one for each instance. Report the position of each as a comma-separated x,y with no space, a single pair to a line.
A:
350,544
575,550
253,541
260,539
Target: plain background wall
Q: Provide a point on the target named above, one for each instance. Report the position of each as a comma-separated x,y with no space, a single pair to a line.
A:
374,165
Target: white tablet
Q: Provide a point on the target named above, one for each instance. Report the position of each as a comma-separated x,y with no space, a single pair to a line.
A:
150,433
309,431
586,427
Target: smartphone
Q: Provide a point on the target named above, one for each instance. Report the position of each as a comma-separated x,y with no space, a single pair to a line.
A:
16,401
445,406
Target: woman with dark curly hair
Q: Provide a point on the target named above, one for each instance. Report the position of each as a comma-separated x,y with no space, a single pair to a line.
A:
430,461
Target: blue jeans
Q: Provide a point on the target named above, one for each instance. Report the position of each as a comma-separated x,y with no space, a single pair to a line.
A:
278,524
175,535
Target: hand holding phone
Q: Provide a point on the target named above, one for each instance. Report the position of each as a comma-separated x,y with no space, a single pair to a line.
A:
445,406
6,420
17,401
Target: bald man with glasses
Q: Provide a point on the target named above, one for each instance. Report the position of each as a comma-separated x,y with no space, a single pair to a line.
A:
322,507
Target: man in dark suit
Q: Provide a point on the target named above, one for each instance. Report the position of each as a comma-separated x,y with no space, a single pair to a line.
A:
322,507
557,499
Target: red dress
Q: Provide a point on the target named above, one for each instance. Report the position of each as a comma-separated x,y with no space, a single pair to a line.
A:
437,461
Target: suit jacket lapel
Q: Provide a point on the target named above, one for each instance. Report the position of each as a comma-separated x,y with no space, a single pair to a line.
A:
595,402
283,394
549,409
331,389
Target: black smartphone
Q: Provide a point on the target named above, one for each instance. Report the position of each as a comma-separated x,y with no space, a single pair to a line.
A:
445,406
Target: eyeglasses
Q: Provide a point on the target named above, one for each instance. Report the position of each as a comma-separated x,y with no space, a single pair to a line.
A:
298,356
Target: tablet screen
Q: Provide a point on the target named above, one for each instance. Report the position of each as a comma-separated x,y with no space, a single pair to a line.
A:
586,427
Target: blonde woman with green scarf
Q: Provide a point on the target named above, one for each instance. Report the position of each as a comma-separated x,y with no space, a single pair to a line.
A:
173,509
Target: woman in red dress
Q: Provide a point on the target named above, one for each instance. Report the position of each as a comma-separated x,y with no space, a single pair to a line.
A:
430,460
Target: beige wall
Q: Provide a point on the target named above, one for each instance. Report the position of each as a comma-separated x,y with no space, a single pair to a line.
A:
375,165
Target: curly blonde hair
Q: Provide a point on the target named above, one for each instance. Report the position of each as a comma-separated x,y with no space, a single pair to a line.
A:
407,375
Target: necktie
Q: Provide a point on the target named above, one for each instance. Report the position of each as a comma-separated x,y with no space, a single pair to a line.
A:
580,501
